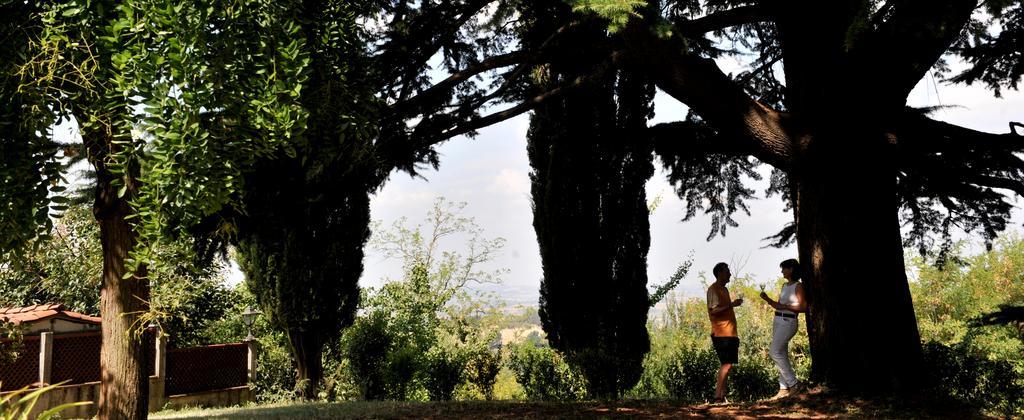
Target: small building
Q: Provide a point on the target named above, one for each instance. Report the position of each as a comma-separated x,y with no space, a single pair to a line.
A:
50,318
61,346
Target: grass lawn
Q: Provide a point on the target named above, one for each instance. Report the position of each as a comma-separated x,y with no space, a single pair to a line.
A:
814,404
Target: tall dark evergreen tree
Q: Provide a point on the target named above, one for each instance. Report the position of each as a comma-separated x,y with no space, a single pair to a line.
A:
591,159
306,215
302,225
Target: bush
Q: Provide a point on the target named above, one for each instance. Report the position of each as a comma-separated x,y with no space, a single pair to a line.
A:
443,372
482,371
544,375
690,375
338,383
275,380
506,387
958,373
11,341
367,345
752,380
404,362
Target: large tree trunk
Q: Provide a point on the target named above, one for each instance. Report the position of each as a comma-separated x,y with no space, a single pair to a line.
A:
862,327
124,382
307,350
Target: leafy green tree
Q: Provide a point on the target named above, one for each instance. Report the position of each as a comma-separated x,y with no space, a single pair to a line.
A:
421,330
951,297
158,92
11,341
63,268
32,167
823,101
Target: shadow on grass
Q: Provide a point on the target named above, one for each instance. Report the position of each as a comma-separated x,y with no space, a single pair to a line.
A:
814,404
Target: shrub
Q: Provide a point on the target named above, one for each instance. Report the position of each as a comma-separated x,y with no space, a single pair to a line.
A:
367,345
752,380
506,387
544,375
443,372
482,370
275,380
690,374
11,341
403,363
958,373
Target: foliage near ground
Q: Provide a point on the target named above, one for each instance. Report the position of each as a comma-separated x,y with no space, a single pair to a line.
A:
440,343
970,366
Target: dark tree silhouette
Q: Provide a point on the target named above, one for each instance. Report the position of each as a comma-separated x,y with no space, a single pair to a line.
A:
590,160
303,222
854,162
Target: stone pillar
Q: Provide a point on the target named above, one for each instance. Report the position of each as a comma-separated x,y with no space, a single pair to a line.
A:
158,383
251,359
45,357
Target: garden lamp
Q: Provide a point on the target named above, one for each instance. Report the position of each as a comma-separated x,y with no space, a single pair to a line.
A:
248,317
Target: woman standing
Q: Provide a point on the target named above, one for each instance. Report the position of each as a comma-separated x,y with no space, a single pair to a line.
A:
791,302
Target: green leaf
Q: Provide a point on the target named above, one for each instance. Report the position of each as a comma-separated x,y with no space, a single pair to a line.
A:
71,12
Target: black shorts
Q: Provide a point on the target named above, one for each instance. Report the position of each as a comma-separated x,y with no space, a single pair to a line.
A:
727,348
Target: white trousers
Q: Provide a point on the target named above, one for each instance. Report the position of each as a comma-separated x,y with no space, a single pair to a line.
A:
783,330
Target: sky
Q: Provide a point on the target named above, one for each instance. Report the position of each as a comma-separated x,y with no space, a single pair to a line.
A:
490,173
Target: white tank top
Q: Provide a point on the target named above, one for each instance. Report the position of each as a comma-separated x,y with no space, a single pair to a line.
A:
788,297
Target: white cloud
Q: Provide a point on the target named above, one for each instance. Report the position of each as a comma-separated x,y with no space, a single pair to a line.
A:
510,182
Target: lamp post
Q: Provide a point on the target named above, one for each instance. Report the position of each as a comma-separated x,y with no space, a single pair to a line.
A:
248,317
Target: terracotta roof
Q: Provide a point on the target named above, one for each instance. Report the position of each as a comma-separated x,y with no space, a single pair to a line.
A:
42,312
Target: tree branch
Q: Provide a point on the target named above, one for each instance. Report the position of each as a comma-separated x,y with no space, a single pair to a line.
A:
680,131
701,85
441,91
998,182
530,104
926,134
429,30
721,20
896,55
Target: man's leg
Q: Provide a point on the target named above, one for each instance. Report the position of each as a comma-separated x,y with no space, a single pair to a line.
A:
720,385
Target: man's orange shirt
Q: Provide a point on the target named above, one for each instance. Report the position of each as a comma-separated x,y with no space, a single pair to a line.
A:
723,324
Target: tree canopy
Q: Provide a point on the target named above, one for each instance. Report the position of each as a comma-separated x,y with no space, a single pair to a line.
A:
271,122
823,101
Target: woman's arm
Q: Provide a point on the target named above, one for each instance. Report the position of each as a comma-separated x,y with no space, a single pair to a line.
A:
800,306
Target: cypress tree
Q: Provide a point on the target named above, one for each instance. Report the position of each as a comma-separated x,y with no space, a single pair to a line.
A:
590,162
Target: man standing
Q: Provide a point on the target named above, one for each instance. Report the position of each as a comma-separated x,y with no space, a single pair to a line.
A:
723,326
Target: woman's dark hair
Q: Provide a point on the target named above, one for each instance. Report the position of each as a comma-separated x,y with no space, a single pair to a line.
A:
794,265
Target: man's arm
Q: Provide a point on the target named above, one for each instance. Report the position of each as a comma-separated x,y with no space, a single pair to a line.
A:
715,304
724,306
